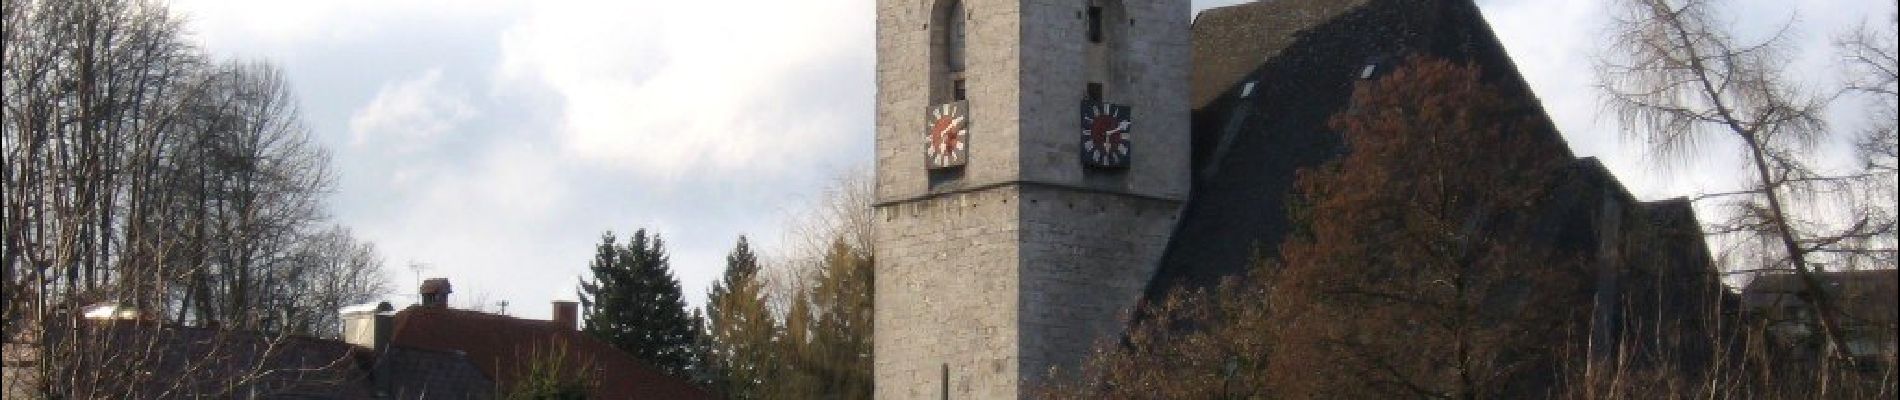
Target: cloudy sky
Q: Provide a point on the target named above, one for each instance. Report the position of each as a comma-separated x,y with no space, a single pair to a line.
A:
494,141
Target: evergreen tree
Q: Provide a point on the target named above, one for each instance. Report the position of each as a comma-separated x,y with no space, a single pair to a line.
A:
701,370
634,303
826,345
802,377
842,335
740,328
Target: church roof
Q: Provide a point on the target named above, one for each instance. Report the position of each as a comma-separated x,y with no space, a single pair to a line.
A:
1268,75
1230,42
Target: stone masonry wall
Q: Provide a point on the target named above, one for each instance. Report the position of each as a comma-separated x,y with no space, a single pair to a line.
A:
1086,259
903,94
946,285
1152,55
1027,259
999,285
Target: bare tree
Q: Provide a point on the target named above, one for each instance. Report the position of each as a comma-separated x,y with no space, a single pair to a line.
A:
259,182
326,272
815,299
85,84
841,213
1678,79
1872,55
137,172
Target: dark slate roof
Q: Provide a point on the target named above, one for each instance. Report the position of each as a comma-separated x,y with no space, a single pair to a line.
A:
435,353
414,373
1231,43
500,345
1303,57
148,359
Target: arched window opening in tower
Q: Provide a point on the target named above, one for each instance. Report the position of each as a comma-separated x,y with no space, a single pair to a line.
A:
954,34
949,37
1095,24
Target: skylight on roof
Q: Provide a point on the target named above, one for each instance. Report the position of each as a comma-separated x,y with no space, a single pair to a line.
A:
1246,90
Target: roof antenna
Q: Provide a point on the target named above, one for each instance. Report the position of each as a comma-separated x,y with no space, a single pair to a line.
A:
417,267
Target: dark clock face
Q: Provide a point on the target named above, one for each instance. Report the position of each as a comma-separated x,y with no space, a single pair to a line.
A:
946,136
1105,135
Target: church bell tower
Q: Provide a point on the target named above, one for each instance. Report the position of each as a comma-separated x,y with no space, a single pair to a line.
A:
1032,157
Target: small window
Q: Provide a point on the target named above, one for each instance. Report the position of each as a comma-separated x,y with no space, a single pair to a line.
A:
1095,24
1371,69
1246,90
956,90
1095,92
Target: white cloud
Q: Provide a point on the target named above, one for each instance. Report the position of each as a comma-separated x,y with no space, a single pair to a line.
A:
669,87
500,224
220,22
413,110
584,116
693,118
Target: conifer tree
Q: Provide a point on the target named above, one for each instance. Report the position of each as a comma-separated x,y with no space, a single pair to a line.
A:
801,378
842,333
740,328
634,303
825,347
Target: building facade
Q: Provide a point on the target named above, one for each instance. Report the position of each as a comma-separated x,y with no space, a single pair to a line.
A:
1044,166
1032,158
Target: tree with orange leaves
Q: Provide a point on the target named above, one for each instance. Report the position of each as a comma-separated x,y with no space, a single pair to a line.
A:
1420,274
1414,272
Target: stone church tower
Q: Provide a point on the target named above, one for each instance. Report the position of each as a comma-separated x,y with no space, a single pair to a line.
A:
1032,158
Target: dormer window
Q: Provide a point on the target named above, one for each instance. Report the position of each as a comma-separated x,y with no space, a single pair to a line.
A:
1373,64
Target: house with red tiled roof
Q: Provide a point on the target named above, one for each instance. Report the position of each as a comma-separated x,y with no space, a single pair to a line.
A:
503,347
426,351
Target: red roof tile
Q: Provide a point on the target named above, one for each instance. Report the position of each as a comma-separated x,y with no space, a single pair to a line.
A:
500,346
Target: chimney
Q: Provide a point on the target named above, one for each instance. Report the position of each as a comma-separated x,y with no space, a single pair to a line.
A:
567,315
435,293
